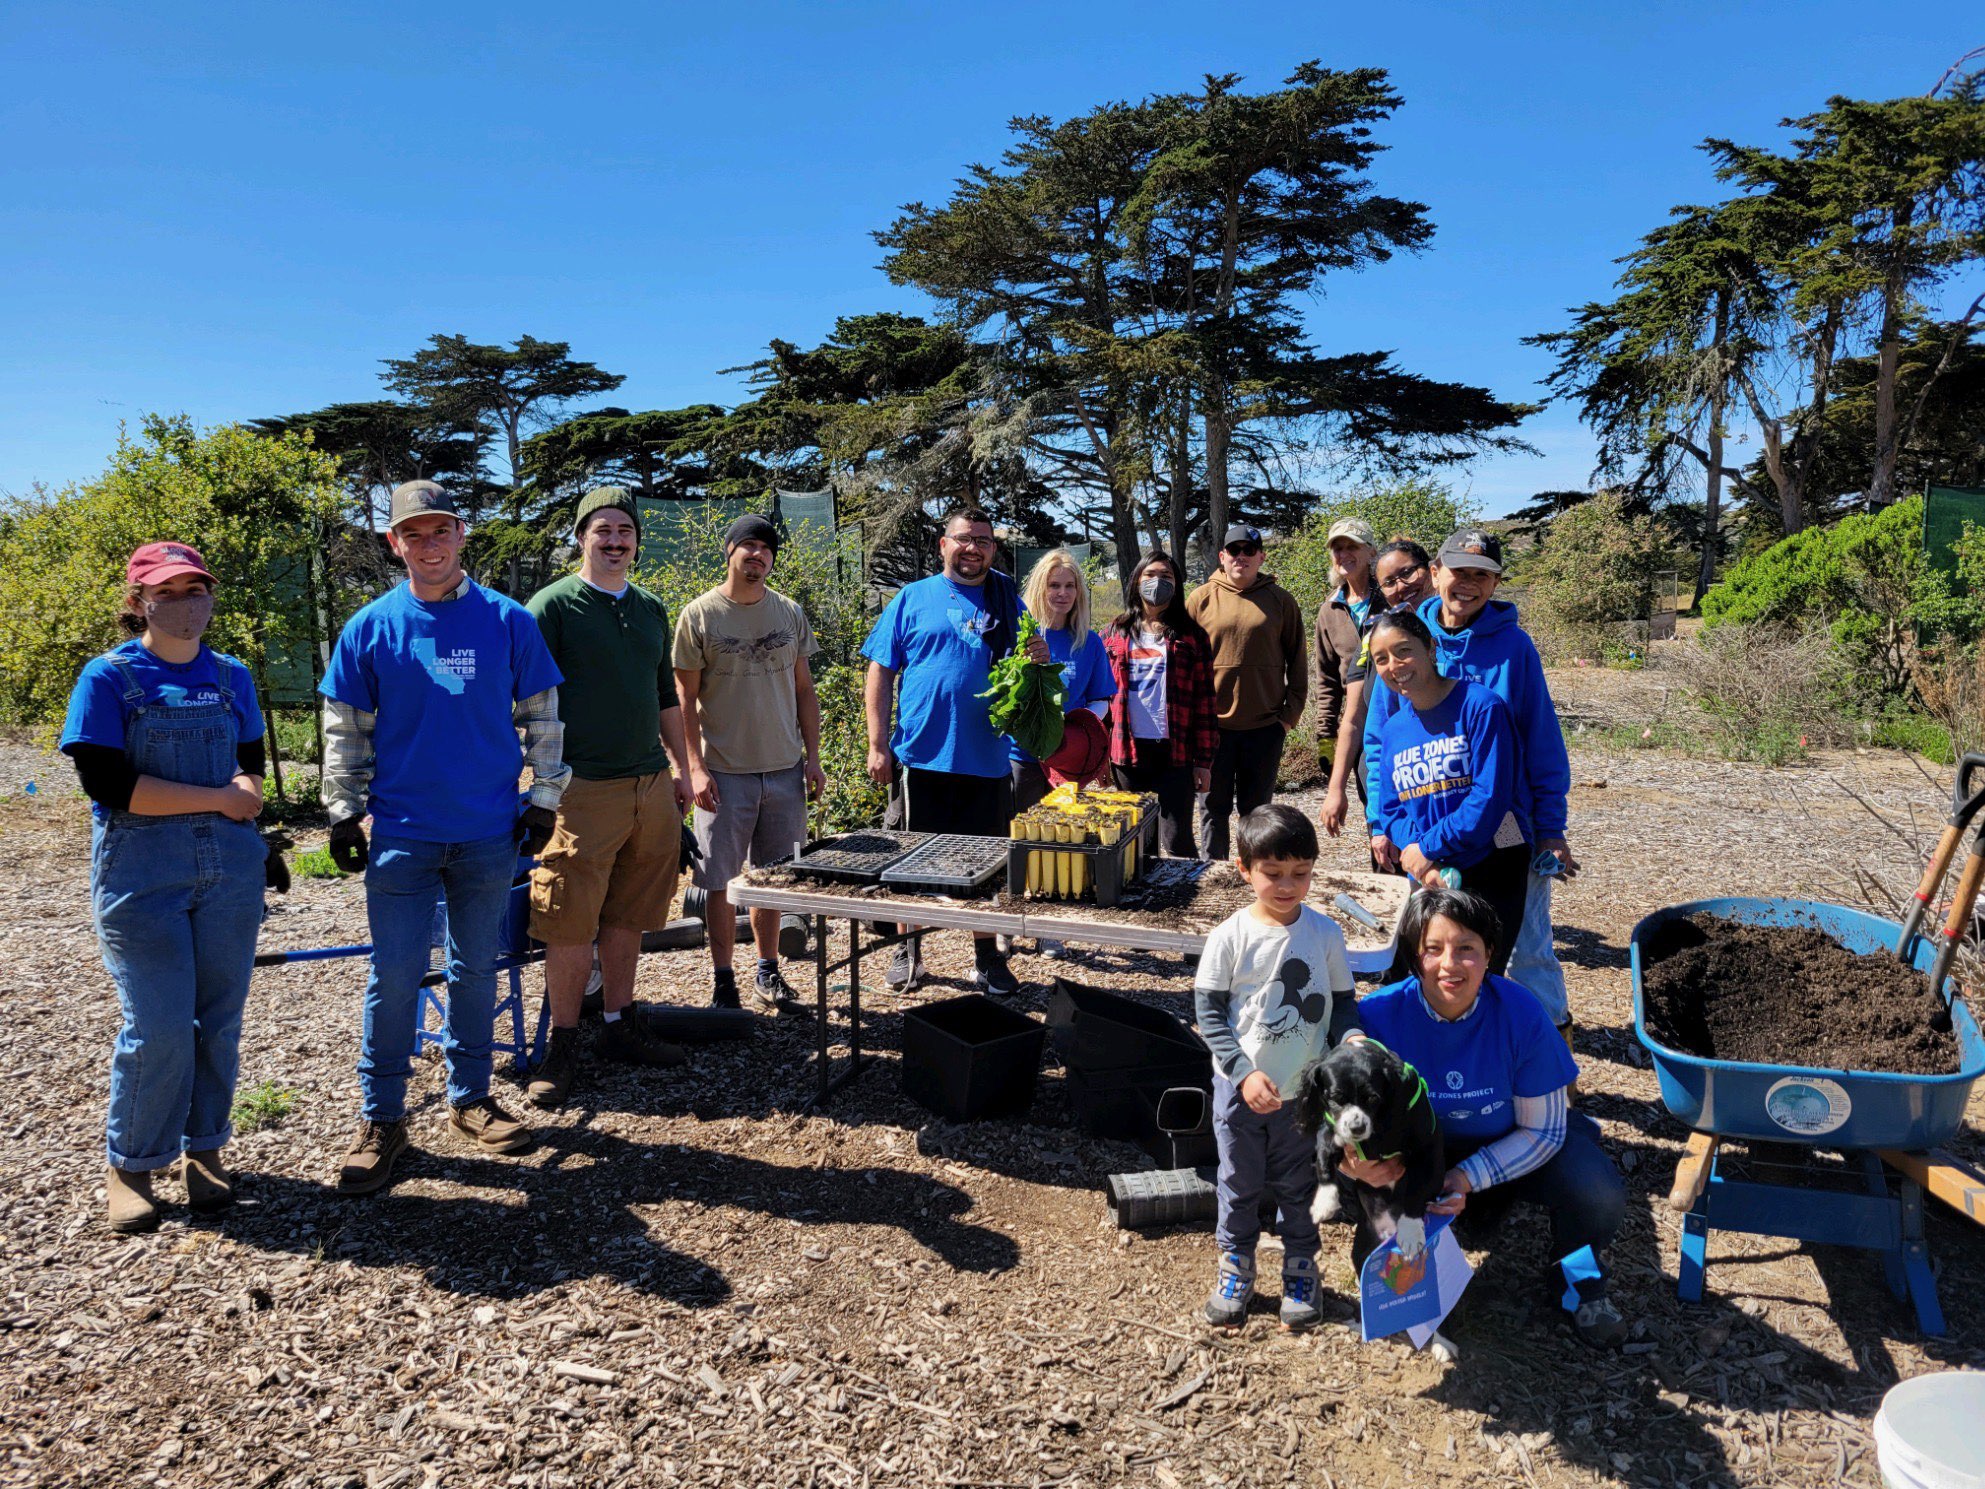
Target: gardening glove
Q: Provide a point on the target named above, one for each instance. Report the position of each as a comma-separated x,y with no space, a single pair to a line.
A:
1326,755
534,830
689,857
275,873
347,845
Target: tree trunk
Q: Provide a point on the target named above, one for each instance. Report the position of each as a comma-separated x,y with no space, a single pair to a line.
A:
1180,505
1712,505
1219,437
1888,445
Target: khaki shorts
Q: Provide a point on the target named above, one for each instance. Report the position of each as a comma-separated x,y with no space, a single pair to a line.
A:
612,862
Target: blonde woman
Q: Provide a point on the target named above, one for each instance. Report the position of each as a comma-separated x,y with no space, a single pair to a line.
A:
1057,596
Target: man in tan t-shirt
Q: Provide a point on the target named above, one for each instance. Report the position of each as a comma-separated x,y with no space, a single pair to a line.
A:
751,721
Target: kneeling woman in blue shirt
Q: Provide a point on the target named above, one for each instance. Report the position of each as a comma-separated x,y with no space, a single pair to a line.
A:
1447,778
168,740
1497,1074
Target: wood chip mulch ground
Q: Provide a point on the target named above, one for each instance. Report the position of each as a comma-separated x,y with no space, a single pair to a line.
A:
695,1280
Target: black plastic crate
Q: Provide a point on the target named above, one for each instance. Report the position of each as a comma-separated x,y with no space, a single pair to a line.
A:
1107,874
968,1058
1124,1103
1094,1031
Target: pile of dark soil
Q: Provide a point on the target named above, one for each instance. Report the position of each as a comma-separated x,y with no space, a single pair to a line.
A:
1789,995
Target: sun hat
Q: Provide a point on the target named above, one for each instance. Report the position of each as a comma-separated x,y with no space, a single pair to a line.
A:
1084,752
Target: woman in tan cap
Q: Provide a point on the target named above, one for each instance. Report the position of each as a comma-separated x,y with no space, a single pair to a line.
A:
168,740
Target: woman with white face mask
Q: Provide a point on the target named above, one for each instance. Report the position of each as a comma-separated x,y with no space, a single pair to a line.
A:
1163,721
169,743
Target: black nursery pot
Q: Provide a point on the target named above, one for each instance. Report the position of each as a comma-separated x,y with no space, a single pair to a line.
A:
970,1058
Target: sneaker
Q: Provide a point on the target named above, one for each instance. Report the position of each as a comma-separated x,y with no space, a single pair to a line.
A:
129,1208
209,1186
552,1081
723,994
906,967
1053,950
490,1127
1599,1323
626,1041
771,988
996,978
1233,1285
373,1153
1299,1285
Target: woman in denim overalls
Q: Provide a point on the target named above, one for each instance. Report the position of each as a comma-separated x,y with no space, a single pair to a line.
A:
168,740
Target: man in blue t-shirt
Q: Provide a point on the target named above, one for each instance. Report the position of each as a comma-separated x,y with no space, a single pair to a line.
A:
930,656
424,700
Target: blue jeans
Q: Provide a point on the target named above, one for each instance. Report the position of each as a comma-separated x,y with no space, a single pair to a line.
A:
1533,960
1260,1153
1581,1187
402,883
178,904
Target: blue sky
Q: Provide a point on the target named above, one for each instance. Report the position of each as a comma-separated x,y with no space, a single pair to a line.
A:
235,211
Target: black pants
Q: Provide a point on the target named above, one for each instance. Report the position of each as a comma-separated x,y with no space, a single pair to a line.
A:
1030,784
1244,770
1503,879
1173,785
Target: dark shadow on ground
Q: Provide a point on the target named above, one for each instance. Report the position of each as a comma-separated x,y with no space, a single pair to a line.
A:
571,1205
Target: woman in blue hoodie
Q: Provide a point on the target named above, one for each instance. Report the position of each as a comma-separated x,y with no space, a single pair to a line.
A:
1446,795
1478,637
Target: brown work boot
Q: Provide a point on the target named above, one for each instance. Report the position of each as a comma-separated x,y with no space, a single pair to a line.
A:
209,1186
369,1164
625,1042
129,1206
490,1127
552,1081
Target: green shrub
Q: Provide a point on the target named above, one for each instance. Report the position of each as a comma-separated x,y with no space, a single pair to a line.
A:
1898,728
1417,509
1590,583
256,507
1860,579
316,864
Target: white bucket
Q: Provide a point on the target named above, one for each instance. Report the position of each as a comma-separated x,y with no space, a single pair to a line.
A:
1927,1432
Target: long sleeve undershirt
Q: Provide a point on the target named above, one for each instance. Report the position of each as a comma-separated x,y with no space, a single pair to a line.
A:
349,761
108,777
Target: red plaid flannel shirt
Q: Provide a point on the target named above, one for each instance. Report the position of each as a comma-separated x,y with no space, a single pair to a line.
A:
1192,728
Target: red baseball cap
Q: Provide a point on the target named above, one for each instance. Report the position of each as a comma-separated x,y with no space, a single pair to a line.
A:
1084,751
157,562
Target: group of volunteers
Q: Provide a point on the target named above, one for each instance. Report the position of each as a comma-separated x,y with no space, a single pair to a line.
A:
439,695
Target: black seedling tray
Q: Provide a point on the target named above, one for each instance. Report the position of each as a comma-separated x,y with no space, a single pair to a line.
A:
950,861
855,857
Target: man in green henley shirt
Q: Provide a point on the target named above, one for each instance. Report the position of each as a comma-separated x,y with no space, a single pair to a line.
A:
609,872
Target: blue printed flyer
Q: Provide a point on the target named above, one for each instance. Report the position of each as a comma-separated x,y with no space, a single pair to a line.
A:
1398,1292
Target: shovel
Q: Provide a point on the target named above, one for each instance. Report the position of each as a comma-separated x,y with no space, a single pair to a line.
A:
1965,805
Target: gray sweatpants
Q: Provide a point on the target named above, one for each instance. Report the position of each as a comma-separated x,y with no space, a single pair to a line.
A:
1260,1154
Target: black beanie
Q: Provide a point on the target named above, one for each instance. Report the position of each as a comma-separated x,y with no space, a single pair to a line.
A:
751,525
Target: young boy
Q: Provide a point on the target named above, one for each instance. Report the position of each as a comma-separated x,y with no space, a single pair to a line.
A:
1274,992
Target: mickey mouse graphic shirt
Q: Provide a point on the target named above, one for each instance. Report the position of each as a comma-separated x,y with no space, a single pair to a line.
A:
1274,997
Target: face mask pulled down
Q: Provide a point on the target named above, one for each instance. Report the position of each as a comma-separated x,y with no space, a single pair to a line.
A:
183,619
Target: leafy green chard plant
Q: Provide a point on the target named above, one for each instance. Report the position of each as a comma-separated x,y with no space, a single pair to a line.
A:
1027,696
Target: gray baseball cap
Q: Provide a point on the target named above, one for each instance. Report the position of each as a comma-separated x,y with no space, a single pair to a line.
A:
1471,548
1240,532
417,499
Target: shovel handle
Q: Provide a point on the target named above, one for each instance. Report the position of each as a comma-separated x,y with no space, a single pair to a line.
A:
1965,805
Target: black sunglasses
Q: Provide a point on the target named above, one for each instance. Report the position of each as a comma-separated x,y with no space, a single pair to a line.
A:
1244,550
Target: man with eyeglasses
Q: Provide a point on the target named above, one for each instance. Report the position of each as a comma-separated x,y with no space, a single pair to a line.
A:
930,656
1260,679
1402,572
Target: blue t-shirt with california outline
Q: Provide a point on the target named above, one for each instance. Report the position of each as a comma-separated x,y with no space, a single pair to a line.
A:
936,636
443,679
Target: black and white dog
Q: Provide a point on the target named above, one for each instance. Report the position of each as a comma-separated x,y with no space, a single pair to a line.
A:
1363,1100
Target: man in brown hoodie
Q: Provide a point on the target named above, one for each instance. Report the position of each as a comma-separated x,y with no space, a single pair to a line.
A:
1260,678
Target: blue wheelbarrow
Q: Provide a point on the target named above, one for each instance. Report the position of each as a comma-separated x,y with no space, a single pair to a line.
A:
1855,1112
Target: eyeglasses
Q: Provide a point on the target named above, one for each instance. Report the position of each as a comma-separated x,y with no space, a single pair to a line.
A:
1403,577
1243,550
970,540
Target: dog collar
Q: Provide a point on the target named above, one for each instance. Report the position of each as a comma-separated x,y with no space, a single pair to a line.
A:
1419,1092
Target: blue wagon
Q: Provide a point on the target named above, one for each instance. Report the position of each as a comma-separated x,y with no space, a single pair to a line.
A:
1854,1112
